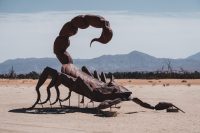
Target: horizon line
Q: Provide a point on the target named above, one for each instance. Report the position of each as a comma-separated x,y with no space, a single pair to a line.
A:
100,56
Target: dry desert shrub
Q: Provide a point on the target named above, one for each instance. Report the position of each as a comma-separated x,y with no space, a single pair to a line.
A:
167,84
188,84
164,85
184,81
153,84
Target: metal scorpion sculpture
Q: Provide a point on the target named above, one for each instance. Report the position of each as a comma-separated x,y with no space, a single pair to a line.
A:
82,81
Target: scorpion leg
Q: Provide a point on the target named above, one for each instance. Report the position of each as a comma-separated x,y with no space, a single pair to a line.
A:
67,81
85,70
58,83
91,101
67,98
52,83
55,82
83,101
43,77
57,96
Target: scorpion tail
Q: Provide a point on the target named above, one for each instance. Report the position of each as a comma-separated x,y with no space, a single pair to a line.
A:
70,29
83,22
105,37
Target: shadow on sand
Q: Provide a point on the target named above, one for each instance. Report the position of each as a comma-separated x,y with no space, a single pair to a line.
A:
65,110
134,112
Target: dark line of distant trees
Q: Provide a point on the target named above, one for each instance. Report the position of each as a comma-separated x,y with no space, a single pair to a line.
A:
12,75
117,75
155,75
31,75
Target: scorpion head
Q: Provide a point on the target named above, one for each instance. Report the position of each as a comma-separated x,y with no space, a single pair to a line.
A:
118,91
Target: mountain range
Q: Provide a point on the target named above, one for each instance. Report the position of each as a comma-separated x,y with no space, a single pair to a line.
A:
133,61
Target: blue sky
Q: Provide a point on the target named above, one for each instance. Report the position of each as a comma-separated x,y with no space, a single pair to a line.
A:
130,5
162,28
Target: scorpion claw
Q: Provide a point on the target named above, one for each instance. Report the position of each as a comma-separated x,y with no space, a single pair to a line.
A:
168,106
163,105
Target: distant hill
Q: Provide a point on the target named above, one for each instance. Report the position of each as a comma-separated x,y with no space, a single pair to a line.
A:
195,57
27,65
133,61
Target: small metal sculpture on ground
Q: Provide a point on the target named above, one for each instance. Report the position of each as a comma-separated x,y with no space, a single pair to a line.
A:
82,81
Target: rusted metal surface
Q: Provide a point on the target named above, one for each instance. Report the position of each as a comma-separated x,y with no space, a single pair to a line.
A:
83,82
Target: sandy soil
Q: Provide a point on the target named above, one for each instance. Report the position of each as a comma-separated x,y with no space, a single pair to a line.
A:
18,94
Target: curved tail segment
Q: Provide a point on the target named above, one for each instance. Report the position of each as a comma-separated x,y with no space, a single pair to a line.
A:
83,22
71,28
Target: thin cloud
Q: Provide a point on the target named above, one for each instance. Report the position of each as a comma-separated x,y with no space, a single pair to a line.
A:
166,34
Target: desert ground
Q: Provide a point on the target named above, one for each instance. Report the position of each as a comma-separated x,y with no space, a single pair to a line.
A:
15,95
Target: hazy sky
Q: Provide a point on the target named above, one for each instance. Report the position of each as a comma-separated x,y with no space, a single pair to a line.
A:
162,28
